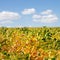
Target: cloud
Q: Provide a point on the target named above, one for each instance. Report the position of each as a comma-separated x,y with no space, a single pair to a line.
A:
6,15
49,19
7,21
47,12
28,11
46,16
19,25
36,16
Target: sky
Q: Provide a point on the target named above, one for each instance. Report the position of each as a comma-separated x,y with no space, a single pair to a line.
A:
29,13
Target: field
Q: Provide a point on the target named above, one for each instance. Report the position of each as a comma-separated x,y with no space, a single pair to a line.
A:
30,43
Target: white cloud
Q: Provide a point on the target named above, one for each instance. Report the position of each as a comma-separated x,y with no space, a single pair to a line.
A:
47,12
29,26
36,16
36,20
28,11
7,21
6,15
46,17
19,25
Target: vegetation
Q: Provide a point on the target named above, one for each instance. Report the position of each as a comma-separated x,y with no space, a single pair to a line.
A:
30,43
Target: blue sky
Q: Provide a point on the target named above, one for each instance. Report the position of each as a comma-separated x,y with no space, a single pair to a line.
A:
27,13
